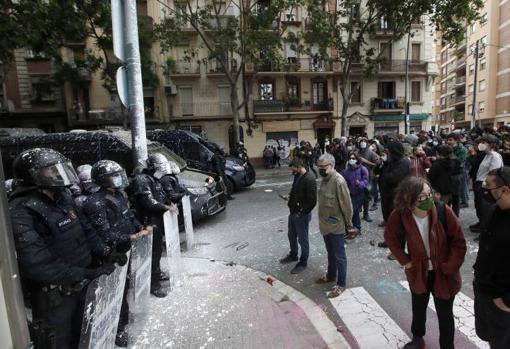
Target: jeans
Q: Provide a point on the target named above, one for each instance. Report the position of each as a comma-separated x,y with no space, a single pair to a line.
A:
464,190
298,233
492,324
444,309
366,202
337,260
357,203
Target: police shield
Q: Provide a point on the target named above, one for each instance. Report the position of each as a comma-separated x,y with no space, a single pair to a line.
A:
173,248
140,276
188,223
102,309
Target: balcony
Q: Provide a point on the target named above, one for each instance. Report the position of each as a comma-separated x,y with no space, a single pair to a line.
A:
383,29
461,63
291,18
460,100
180,110
461,47
387,105
285,107
296,65
399,66
185,70
214,68
459,116
460,81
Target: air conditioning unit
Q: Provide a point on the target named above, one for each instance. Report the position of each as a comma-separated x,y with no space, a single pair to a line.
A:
249,67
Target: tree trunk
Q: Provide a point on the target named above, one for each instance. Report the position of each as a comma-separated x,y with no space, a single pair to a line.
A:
343,117
234,103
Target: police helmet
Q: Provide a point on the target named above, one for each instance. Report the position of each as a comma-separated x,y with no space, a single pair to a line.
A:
174,168
157,162
45,168
109,174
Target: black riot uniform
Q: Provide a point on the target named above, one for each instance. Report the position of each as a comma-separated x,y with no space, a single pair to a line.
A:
170,182
55,247
218,166
151,203
114,221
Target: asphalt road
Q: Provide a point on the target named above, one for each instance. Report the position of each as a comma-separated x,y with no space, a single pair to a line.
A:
257,219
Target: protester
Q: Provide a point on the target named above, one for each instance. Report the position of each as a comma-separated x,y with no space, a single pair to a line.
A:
55,267
268,157
420,162
441,176
459,175
491,161
370,160
335,210
357,179
492,275
432,259
301,201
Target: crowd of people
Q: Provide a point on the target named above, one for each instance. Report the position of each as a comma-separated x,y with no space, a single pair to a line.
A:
421,181
70,227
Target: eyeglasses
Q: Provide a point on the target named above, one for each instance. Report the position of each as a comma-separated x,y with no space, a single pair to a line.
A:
424,197
323,167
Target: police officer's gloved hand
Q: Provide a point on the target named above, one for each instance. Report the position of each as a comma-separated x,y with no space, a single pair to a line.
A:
105,269
119,258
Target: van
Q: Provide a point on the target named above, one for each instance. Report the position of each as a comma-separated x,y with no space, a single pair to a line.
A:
207,199
198,152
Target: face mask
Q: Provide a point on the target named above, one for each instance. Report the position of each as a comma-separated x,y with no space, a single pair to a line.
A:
322,172
435,143
482,147
117,182
489,198
426,204
353,162
363,145
349,148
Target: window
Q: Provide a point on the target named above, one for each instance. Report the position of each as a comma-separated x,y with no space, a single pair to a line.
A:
386,49
471,69
471,88
483,41
444,56
443,101
482,85
443,86
293,92
290,50
444,71
481,107
194,151
473,28
416,91
470,108
319,92
42,90
386,89
191,128
31,54
415,53
356,92
483,64
266,91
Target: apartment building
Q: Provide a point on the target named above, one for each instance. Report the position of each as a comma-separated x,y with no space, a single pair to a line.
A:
467,86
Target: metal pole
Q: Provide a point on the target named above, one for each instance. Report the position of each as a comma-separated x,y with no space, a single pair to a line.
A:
474,108
406,92
135,86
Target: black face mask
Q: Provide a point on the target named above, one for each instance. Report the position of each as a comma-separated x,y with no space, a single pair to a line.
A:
488,196
322,172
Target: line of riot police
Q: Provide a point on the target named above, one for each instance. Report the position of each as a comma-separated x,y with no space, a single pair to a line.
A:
71,228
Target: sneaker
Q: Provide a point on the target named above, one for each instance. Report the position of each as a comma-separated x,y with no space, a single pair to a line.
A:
367,218
298,268
163,276
289,259
391,257
382,244
158,292
121,340
416,343
337,291
324,280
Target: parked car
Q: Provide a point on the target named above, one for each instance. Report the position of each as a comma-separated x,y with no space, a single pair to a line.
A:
198,152
207,199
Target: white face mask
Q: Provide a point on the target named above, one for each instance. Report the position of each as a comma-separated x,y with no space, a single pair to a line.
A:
435,143
482,147
353,162
349,148
384,157
363,145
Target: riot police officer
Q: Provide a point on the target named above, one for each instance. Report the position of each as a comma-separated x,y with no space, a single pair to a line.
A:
87,186
173,189
218,166
55,247
151,203
115,222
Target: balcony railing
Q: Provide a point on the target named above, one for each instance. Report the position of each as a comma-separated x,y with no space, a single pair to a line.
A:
308,64
461,80
185,68
461,62
399,65
460,99
278,106
200,109
385,105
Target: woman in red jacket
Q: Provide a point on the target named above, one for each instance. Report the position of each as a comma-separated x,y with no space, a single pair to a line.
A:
432,259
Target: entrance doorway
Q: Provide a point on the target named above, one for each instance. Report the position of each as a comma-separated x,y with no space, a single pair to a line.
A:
356,131
322,134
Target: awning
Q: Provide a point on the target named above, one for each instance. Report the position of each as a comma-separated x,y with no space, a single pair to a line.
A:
399,117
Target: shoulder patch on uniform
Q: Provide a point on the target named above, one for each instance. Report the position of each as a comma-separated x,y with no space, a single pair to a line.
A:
64,221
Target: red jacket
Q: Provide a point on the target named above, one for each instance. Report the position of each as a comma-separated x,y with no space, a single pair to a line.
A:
447,251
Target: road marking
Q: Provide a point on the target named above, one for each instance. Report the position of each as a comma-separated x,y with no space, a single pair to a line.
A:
369,324
463,311
271,184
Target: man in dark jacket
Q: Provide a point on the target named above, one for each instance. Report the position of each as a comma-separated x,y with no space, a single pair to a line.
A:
218,166
151,204
393,171
492,275
54,245
301,201
442,177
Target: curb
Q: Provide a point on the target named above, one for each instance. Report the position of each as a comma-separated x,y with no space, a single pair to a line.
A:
315,314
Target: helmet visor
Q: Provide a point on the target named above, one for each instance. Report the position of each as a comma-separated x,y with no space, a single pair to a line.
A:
117,180
164,168
58,175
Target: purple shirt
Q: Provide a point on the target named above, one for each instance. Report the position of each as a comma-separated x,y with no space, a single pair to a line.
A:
358,173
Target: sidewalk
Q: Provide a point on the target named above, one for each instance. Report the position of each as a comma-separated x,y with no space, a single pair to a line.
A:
222,306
